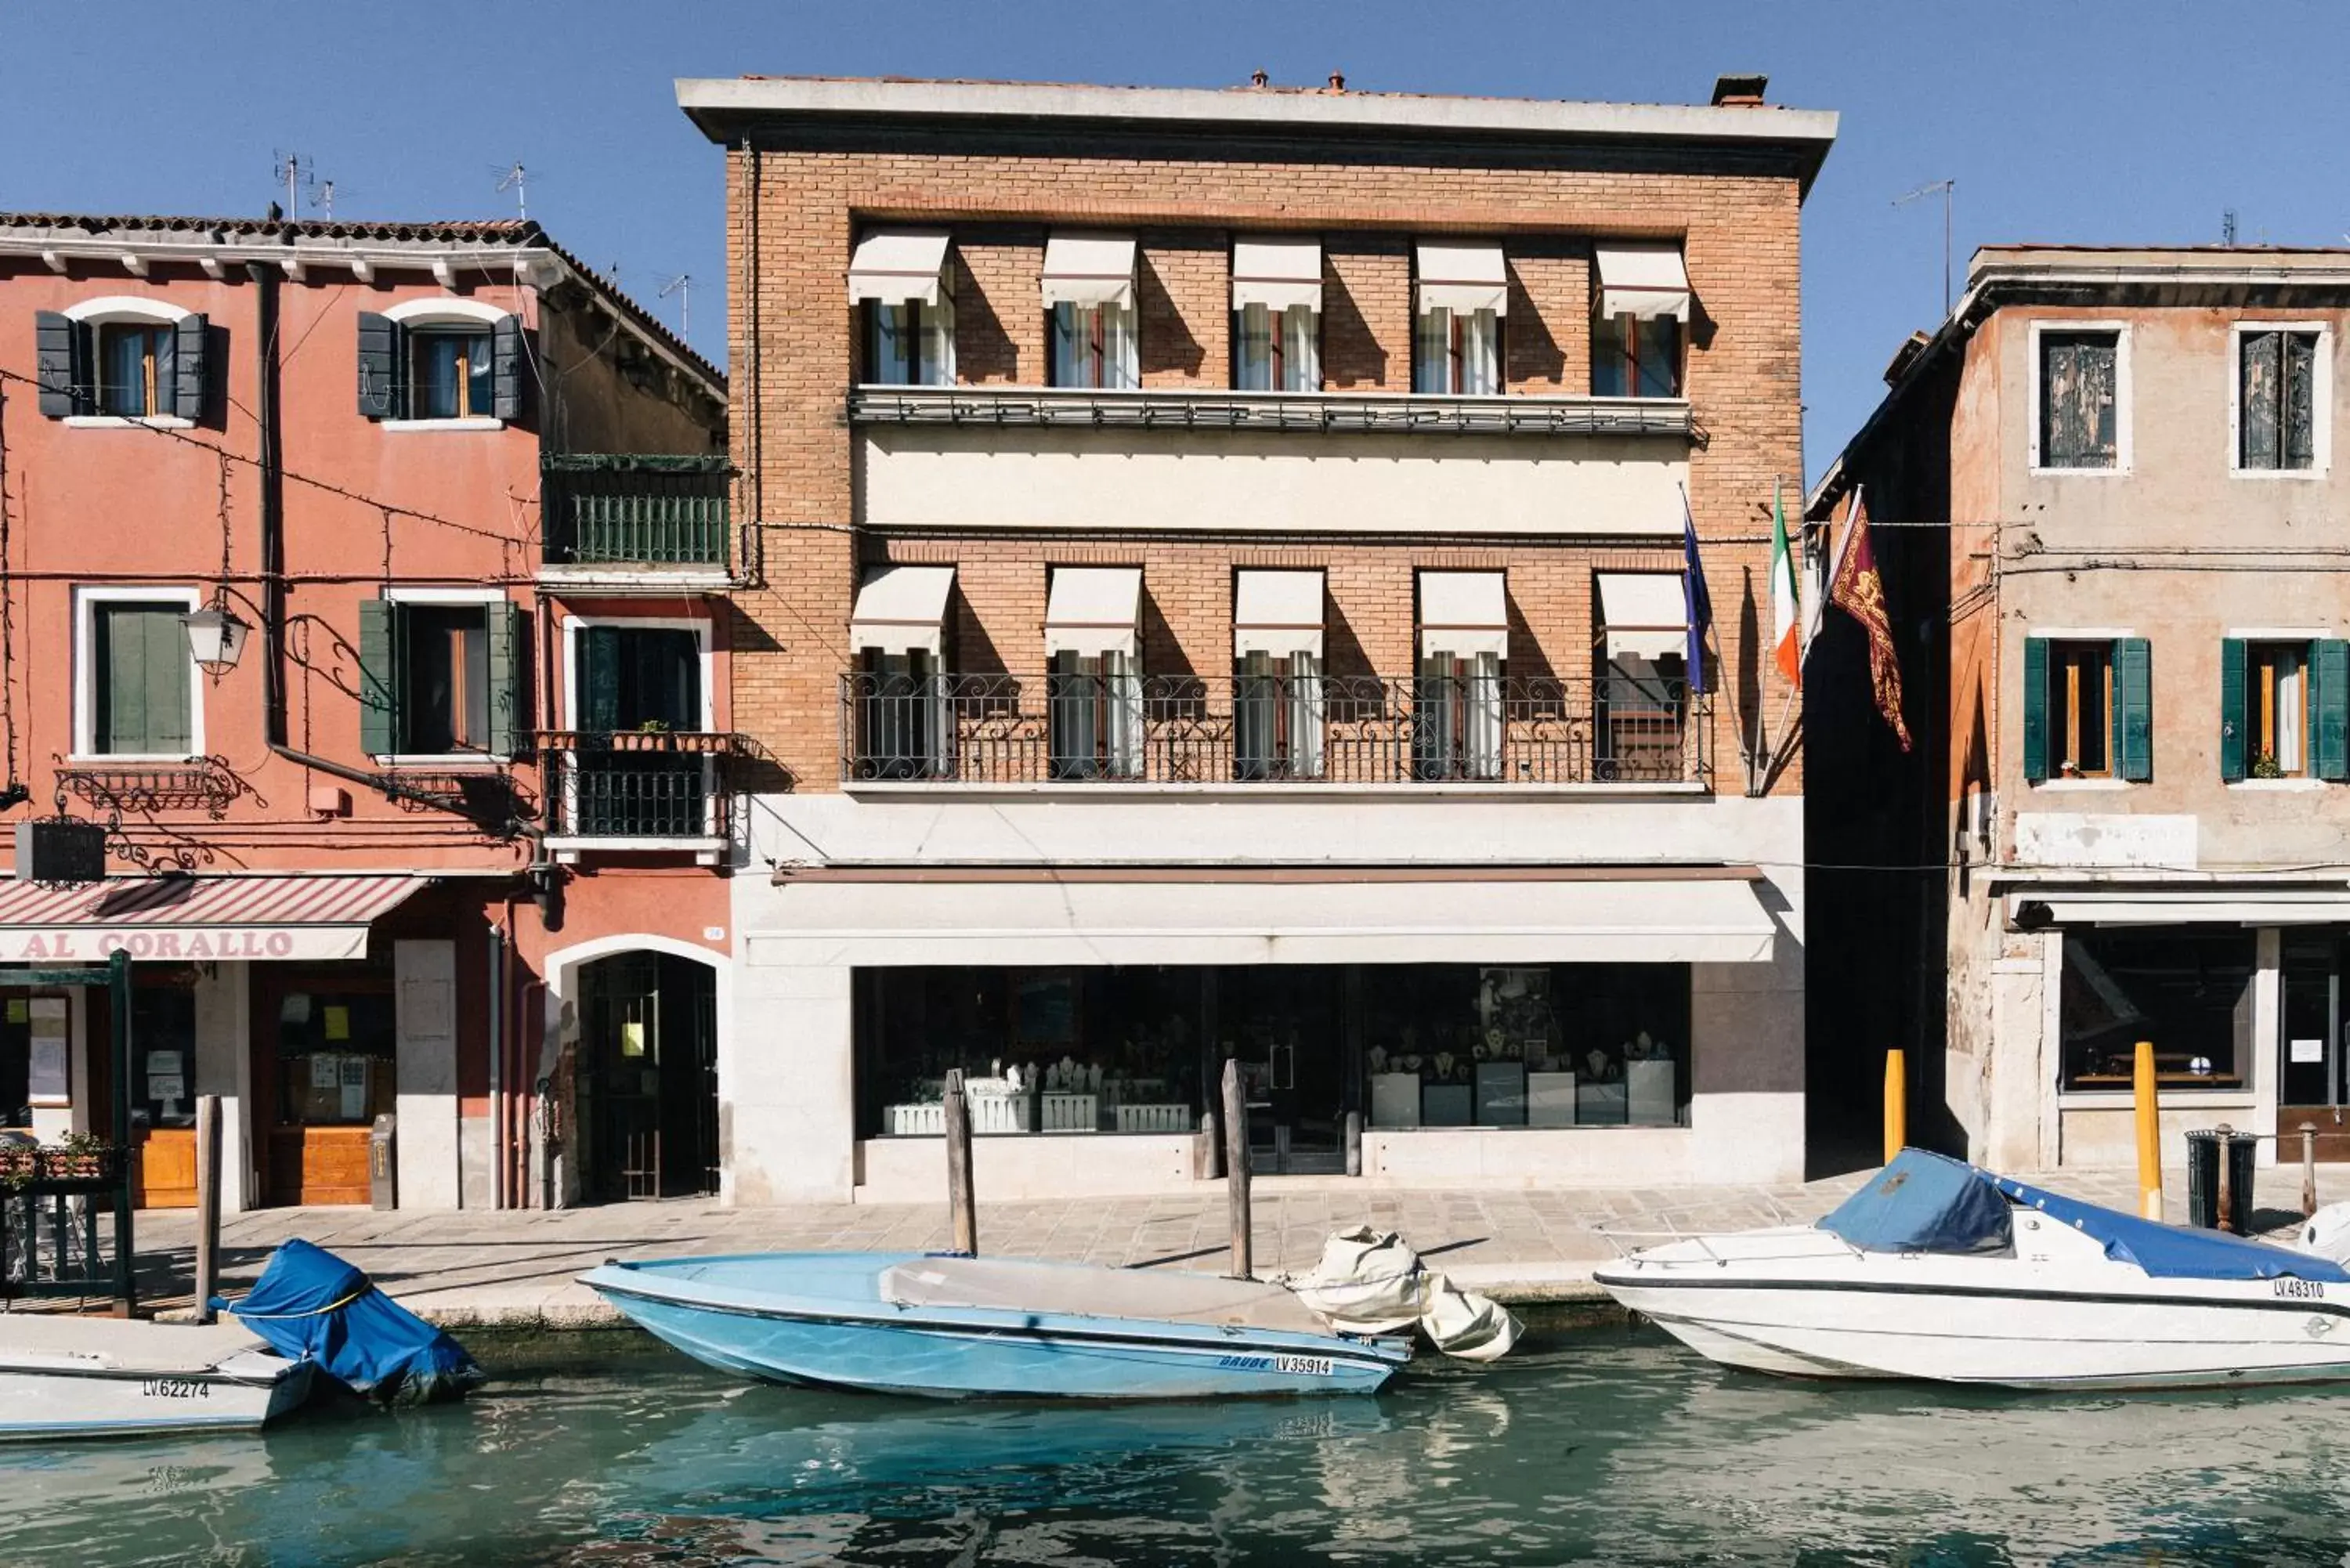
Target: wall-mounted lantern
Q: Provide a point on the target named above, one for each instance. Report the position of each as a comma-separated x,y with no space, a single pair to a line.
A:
215,638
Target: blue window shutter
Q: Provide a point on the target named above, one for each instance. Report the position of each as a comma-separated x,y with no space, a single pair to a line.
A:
2233,670
378,677
2035,709
191,365
2134,697
509,661
61,365
379,366
506,368
2329,710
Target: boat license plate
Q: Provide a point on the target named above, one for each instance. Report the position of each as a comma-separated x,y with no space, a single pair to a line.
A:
175,1388
2305,1289
1303,1365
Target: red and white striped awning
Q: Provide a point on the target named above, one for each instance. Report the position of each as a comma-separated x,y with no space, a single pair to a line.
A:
180,919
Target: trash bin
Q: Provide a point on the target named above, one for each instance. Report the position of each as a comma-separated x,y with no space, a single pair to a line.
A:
383,1171
2206,1146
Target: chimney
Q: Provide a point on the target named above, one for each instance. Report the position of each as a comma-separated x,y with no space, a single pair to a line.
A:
1258,78
1337,82
1739,92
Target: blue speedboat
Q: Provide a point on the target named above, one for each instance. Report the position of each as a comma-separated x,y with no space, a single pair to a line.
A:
954,1328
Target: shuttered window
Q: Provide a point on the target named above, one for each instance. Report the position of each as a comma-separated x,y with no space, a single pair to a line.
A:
2284,710
439,371
442,681
2079,416
141,696
134,369
2089,709
2276,393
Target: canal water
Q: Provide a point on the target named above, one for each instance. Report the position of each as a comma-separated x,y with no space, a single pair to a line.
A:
1612,1447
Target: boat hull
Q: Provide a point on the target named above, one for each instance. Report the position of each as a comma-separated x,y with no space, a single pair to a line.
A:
242,1393
962,1353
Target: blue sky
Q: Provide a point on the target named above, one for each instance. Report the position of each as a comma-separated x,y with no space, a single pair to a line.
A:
2106,123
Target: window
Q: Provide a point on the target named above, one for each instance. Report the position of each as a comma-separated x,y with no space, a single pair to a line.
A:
2088,708
645,680
337,1057
900,715
2187,988
449,374
1097,703
1456,731
1457,352
136,370
1094,346
2079,395
909,343
1276,350
2277,420
1636,356
440,677
1277,715
139,694
2284,709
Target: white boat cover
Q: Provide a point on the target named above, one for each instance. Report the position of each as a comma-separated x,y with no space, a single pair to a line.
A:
46,1341
1078,1290
1370,1281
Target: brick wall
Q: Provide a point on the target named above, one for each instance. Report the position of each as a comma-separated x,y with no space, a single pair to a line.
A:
792,357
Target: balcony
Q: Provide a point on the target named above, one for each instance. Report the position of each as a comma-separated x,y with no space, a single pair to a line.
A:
637,791
1366,413
617,521
1271,732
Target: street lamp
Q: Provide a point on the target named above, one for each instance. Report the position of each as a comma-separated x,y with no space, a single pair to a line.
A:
215,638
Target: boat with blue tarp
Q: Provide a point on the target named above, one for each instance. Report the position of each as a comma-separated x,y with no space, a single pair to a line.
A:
311,1306
1941,1270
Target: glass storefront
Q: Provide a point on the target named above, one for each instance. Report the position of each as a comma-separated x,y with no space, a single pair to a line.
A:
1140,1049
335,1052
2187,988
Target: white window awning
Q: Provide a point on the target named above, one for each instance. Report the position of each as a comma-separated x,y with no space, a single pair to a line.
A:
1462,275
2151,906
1464,614
1647,281
1088,269
1278,272
1277,613
902,609
1691,914
1643,615
895,265
1094,611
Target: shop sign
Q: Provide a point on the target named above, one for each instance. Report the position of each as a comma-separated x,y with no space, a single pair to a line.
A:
95,944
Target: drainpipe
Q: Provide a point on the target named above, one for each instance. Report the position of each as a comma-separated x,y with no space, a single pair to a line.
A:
498,1131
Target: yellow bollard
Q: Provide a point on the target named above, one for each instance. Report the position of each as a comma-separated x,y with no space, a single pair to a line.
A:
2150,1133
1897,1104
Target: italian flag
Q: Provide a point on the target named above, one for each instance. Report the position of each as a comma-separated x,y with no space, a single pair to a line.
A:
1784,618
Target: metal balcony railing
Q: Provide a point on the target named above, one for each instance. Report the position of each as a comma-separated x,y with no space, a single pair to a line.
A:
637,511
1270,730
633,785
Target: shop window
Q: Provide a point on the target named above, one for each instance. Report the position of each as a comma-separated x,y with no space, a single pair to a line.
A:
909,343
139,683
163,1056
336,1053
1276,350
2081,388
2277,418
1458,352
2187,988
1636,356
1094,347
2284,710
2088,708
440,679
1096,716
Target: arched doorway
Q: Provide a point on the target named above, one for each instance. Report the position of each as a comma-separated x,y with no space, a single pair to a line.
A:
646,1091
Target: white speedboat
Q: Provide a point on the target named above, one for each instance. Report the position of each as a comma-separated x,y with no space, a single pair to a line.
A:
87,1377
1942,1271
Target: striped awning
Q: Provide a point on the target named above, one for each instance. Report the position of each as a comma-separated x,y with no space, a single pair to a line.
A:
180,919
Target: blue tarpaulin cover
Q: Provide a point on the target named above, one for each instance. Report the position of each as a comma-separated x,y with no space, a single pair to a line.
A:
2172,1251
310,1302
1923,1203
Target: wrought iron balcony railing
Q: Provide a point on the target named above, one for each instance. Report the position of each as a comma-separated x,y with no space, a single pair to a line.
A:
635,511
1270,730
656,786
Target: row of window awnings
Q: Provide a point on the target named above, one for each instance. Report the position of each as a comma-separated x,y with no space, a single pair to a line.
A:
1097,610
899,266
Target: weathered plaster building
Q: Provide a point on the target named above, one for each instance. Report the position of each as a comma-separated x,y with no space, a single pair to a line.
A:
1224,598
441,832
2105,498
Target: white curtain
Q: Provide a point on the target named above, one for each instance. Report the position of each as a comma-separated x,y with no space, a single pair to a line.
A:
1432,351
1301,349
1122,716
1094,346
938,366
1304,716
1252,350
2291,709
1482,740
1481,357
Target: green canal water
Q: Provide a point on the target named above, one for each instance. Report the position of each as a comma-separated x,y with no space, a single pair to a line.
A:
1610,1447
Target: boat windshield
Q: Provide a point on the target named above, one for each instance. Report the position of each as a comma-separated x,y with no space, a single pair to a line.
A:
1925,1203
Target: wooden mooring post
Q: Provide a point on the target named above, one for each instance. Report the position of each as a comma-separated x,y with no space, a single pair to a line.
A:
1236,1169
208,1203
961,1209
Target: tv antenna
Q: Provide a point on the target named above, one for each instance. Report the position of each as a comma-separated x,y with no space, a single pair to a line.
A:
296,172
1945,187
513,180
681,285
2228,227
323,198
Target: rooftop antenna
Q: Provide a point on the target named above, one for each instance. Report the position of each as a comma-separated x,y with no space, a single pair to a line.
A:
294,171
682,287
1945,187
323,198
513,180
2228,227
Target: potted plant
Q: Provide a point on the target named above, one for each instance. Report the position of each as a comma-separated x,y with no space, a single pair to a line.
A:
2265,766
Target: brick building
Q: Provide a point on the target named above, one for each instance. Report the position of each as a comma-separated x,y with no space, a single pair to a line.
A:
1223,596
337,589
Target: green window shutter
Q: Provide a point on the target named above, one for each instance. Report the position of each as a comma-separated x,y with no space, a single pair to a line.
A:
2329,710
2133,702
378,677
379,366
2232,724
599,681
60,364
506,368
2035,709
142,702
190,340
509,660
